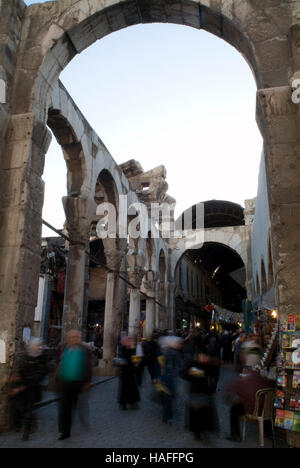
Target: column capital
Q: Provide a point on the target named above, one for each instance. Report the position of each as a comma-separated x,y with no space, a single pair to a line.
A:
276,115
79,212
114,250
135,270
149,281
135,277
276,101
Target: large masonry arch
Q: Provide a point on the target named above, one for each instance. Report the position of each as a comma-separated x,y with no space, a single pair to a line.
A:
48,36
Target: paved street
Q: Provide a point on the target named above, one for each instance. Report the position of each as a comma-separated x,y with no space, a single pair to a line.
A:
112,428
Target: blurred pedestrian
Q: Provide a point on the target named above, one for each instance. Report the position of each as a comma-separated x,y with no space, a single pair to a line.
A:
240,395
170,361
151,351
128,387
213,345
201,416
98,342
237,352
189,345
74,375
226,343
26,386
140,363
251,351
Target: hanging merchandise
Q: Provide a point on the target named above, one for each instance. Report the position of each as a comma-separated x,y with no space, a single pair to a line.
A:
287,396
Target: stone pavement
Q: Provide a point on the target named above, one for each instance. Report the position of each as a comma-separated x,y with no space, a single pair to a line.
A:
109,427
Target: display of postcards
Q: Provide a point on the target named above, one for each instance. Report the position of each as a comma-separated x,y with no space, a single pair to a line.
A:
296,358
279,399
282,379
296,380
294,339
288,420
286,340
279,418
291,326
294,402
288,359
296,425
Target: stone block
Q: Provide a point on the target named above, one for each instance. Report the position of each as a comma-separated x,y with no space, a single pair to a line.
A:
283,173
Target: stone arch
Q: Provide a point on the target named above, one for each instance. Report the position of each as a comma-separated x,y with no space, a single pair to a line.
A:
54,36
66,123
202,264
107,192
54,33
72,151
234,238
106,189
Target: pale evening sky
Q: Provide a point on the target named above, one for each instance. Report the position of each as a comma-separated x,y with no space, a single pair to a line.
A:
172,95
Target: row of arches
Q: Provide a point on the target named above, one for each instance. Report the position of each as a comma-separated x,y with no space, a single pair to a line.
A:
49,38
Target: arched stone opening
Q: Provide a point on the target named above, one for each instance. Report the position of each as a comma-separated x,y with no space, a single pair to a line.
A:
214,273
58,31
108,292
72,151
55,35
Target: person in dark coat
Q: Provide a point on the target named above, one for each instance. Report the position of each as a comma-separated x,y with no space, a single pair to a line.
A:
151,350
128,388
74,374
214,351
201,417
227,354
189,345
169,360
26,389
241,395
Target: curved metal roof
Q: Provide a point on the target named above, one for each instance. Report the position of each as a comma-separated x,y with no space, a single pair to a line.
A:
217,213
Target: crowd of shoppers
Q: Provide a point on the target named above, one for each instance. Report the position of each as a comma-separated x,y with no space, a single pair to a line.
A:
195,356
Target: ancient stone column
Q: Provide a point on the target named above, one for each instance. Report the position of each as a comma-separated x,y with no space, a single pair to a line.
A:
149,289
279,120
79,211
157,307
134,312
135,261
161,315
171,287
113,305
21,202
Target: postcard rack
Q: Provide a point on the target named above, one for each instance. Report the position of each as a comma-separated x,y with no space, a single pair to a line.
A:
287,393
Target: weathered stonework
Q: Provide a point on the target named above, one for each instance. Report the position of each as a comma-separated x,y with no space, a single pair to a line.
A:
36,44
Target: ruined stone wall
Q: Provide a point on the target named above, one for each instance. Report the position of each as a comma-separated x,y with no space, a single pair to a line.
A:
11,17
261,232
